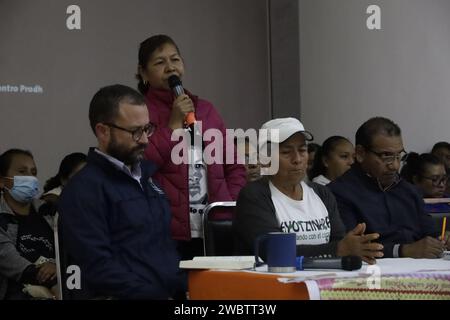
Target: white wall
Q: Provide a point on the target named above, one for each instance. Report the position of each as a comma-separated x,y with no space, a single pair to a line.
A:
349,73
224,44
284,58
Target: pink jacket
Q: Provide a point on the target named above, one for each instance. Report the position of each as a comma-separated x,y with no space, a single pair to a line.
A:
224,180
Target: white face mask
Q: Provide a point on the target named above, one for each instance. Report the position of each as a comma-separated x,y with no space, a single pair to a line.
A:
25,188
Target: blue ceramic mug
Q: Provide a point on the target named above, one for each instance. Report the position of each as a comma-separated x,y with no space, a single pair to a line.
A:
280,251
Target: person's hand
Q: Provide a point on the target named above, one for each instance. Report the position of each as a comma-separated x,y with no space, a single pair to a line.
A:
55,291
446,240
427,247
47,271
180,108
356,243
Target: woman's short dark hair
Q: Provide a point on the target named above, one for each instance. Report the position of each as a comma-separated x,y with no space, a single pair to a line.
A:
324,151
373,127
66,168
146,49
6,159
416,165
104,106
440,145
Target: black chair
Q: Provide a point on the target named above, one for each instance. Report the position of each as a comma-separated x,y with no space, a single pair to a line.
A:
218,234
58,257
63,267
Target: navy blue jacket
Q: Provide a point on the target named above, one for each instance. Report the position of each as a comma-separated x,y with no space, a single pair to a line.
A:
396,214
119,233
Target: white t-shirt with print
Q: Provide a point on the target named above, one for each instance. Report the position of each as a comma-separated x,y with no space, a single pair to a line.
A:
308,218
198,191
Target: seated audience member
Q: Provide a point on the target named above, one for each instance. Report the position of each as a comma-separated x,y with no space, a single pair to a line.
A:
26,235
115,219
70,165
283,202
442,151
252,165
373,192
312,150
333,159
428,173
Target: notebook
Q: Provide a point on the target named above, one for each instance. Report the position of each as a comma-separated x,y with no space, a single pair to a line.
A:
219,262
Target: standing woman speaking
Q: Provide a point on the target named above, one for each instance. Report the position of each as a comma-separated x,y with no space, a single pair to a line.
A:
190,187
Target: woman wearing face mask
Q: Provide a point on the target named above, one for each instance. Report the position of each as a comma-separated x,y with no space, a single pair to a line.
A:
26,236
159,59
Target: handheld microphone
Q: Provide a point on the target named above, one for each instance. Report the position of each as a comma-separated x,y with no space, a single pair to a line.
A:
177,88
348,263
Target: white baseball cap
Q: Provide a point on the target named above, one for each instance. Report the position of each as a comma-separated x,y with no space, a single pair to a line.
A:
286,127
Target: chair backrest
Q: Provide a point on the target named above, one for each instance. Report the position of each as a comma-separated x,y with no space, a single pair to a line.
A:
217,234
63,262
58,256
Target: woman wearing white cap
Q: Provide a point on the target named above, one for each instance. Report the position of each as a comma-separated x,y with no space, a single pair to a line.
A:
282,201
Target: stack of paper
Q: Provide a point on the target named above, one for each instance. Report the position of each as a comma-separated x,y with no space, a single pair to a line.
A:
219,262
436,200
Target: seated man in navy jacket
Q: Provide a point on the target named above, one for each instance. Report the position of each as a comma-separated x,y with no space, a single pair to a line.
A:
115,220
372,192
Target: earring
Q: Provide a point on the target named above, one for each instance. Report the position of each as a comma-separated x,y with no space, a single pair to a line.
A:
145,82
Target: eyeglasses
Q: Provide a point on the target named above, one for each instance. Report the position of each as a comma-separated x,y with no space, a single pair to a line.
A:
136,134
389,157
437,180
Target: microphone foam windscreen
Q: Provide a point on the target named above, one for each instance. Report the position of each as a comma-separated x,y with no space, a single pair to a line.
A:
174,81
350,263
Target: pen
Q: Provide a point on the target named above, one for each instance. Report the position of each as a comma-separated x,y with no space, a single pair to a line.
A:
444,223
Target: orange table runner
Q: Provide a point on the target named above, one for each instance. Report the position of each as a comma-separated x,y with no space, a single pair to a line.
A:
224,285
